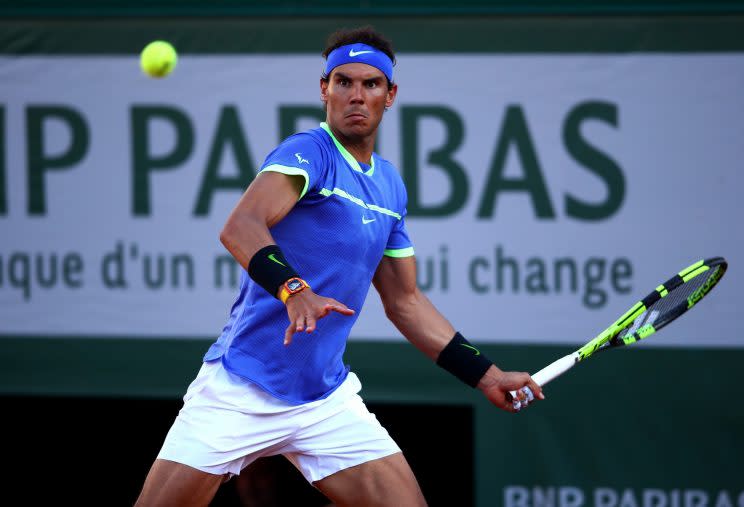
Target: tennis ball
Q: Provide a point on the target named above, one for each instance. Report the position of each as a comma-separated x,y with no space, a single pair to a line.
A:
158,59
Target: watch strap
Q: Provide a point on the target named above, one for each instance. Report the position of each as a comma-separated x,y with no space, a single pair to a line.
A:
285,292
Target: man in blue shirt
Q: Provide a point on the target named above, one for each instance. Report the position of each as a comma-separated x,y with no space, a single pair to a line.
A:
323,220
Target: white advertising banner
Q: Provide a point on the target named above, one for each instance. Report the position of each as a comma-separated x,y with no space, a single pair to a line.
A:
547,193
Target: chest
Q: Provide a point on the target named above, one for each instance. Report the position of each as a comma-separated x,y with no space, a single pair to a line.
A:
360,212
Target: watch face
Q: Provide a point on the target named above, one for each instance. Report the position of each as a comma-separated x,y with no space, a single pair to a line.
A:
293,285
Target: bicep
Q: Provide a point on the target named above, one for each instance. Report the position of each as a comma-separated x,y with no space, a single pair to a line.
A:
269,197
395,277
267,200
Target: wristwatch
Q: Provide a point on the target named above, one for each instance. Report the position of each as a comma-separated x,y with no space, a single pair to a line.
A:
292,287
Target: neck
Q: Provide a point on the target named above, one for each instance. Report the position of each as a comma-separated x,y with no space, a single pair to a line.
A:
361,148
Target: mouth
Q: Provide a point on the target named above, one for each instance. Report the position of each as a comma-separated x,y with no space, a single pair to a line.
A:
356,116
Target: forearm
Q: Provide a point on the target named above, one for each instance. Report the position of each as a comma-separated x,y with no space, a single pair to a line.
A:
420,323
243,235
427,329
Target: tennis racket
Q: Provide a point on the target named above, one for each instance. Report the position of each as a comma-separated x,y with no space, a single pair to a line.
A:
663,305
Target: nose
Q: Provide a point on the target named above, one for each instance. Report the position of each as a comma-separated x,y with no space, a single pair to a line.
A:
357,94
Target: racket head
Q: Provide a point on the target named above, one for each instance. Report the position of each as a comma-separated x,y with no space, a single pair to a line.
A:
666,303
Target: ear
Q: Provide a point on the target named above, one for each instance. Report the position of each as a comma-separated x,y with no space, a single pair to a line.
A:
392,93
324,91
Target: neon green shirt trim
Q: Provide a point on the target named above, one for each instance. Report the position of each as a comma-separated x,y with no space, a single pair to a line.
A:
372,207
291,171
348,156
401,252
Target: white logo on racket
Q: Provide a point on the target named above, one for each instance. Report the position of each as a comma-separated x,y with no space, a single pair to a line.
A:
640,321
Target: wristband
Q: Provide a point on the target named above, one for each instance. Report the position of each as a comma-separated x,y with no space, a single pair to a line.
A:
463,360
269,269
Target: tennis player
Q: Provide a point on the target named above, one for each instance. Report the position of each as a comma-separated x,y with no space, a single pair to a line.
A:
324,219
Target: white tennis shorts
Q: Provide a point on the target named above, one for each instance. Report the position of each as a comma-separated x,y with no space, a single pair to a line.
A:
227,422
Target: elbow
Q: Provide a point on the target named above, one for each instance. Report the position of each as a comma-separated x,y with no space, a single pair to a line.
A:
397,308
390,312
228,234
225,235
388,307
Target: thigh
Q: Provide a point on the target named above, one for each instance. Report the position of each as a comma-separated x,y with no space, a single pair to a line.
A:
381,482
174,484
274,481
345,453
223,426
338,435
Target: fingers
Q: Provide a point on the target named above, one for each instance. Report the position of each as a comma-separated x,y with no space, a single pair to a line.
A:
310,324
304,315
300,324
512,403
523,399
526,395
306,323
339,308
288,334
536,389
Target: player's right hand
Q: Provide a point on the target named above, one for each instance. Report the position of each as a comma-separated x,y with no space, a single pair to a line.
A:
306,308
497,385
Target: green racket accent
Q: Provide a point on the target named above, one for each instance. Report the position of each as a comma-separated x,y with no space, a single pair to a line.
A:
642,333
660,307
693,271
662,290
712,280
691,268
612,331
610,336
645,331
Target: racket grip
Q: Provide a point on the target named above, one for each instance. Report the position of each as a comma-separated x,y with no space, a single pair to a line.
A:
552,371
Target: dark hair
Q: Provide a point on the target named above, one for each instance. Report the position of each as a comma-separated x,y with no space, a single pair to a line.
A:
364,34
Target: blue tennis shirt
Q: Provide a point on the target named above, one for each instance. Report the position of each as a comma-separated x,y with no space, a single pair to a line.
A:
348,216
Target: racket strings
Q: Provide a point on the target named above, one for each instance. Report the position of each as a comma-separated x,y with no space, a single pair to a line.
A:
675,301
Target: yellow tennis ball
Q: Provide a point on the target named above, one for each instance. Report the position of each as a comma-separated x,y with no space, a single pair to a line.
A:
158,59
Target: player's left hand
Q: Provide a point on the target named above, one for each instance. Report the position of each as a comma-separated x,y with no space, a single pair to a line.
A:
496,386
306,308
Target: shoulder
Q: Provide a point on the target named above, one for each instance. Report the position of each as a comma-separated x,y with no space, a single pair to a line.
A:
302,150
388,170
312,140
393,180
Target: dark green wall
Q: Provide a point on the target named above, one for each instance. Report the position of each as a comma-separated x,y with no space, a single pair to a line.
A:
361,7
416,34
668,418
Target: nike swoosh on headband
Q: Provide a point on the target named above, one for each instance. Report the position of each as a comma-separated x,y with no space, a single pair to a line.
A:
353,53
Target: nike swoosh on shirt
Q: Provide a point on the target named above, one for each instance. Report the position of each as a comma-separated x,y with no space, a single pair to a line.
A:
366,221
353,53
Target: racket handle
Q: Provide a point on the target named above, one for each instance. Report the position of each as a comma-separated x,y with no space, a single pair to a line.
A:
552,371
555,369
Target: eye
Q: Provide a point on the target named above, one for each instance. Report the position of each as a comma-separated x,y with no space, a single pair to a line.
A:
371,84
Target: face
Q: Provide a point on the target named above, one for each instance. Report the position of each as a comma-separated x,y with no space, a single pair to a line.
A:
356,96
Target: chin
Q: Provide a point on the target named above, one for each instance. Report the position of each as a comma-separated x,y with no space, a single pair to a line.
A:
368,124
358,129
